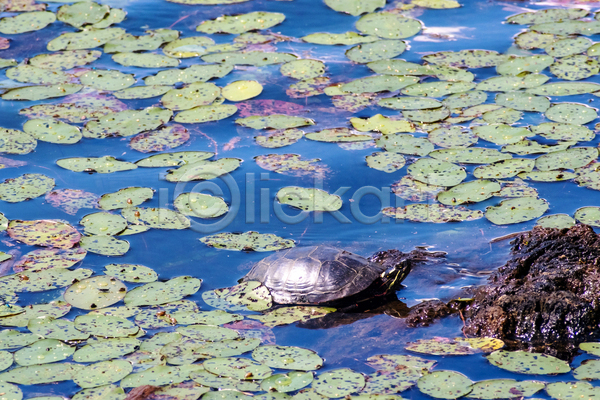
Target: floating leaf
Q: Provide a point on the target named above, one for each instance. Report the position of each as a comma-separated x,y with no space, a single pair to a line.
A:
158,376
451,137
60,329
238,368
502,116
528,363
409,103
279,138
355,7
87,39
162,292
288,357
566,159
568,47
195,73
250,295
131,273
547,15
76,108
565,390
275,121
571,113
547,176
104,245
145,60
43,352
96,292
511,83
442,346
289,315
11,339
241,23
82,13
405,144
465,99
165,138
568,27
437,89
247,241
106,349
532,147
200,205
436,213
41,92
468,192
523,101
504,169
575,67
101,165
174,159
49,258
346,38
388,26
48,233
466,58
564,88
193,95
127,197
107,79
37,76
436,4
241,90
560,131
473,155
188,47
340,134
26,22
379,123
289,382
209,113
203,170
338,382
559,221
13,141
52,131
309,199
157,218
105,325
303,69
103,223
445,384
517,210
40,374
501,133
533,64
256,58
385,161
102,373
436,172
588,215
141,92
379,50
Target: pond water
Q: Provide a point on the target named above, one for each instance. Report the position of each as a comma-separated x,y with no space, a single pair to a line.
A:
337,168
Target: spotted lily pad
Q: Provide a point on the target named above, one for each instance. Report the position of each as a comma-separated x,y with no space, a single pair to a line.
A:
559,221
474,155
567,159
453,136
436,213
131,273
26,22
162,292
588,215
409,103
200,205
517,210
60,329
239,368
103,223
194,73
574,67
337,135
165,138
52,131
303,69
338,383
106,349
193,95
385,161
405,144
127,197
275,121
437,88
208,113
466,58
87,39
105,245
511,83
445,384
96,292
309,199
388,26
279,138
436,172
145,60
194,46
25,187
141,92
288,357
37,76
504,169
528,363
256,58
564,88
105,325
289,382
249,295
157,218
379,123
504,389
102,373
523,101
48,233
534,64
40,374
501,133
203,170
107,79
11,339
241,23
41,92
442,346
247,241
82,13
289,315
43,352
346,38
379,50
564,390
158,376
102,165
174,159
571,113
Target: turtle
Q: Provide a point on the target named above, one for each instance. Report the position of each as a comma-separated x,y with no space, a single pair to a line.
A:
327,275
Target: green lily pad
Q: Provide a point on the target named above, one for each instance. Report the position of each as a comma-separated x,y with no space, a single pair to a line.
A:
241,23
568,27
385,382
193,95
409,103
26,22
473,155
523,101
532,147
388,26
588,215
465,99
106,349
514,211
379,123
11,339
157,218
501,133
442,346
164,316
103,223
54,309
247,241
131,273
289,382
382,83
588,370
104,245
303,69
528,363
6,360
188,47
203,170
561,131
568,47
249,295
571,113
227,386
436,213
127,197
338,382
174,159
156,342
120,311
37,76
208,333
590,347
355,7
274,121
238,368
504,169
334,135
452,136
256,58
40,374
200,205
53,131
469,192
82,13
559,221
534,40
547,15
40,281
47,233
502,116
60,329
279,138
308,87
410,189
588,176
565,88
108,326
165,138
195,73
288,357
208,113
96,292
101,165
504,389
87,39
405,144
436,4
162,292
43,352
41,92
466,58
437,89
115,16
379,50
436,172
566,159
13,141
533,64
445,384
547,176
346,38
511,83
102,373
386,162
5,63
145,60
567,390
289,315
575,67
141,92
104,79
158,376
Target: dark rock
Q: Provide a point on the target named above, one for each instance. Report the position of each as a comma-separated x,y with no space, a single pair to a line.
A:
425,313
546,297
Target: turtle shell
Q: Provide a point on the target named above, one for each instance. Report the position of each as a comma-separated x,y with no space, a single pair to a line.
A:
313,275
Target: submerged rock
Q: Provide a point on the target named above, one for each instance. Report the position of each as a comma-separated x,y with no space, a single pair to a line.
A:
546,297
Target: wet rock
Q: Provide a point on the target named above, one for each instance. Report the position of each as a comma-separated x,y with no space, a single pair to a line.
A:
546,297
425,313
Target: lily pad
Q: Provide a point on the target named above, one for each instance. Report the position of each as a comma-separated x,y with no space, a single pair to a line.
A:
127,197
247,241
466,58
568,47
501,133
534,40
53,131
107,79
96,292
241,90
275,121
469,192
503,115
436,213
309,199
588,215
37,76
388,26
193,95
249,295
162,292
194,73
465,99
338,135
40,374
48,233
241,23
165,138
504,169
131,273
560,131
565,390
279,138
346,38
103,223
547,176
511,83
514,211
174,159
528,363
238,368
41,92
568,27
208,113
60,329
386,162
158,376
442,346
87,39
13,141
379,123
409,103
256,58
575,67
532,147
102,373
289,315
437,88
289,382
106,349
104,245
288,357
533,64
379,50
43,352
141,92
203,170
564,88
445,384
82,13
157,218
145,60
566,159
473,155
105,325
11,339
188,47
436,172
102,165
200,205
523,101
338,382
26,22
452,136
405,144
559,221
355,7
547,15
303,69
571,113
